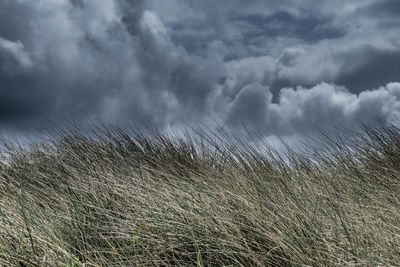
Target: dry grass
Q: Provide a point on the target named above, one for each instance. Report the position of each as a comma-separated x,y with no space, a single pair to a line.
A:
107,198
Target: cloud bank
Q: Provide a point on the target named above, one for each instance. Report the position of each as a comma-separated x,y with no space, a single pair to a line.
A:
278,67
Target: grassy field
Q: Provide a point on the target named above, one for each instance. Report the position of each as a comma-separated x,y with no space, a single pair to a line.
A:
106,198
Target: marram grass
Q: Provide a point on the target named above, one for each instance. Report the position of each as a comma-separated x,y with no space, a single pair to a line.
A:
106,198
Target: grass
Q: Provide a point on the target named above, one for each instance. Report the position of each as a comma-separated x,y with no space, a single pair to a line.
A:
108,198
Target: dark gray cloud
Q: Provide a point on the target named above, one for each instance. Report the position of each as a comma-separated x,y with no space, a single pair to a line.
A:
358,68
385,9
369,67
284,24
278,67
113,61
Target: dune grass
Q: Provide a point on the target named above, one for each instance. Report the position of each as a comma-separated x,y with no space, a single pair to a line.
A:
108,198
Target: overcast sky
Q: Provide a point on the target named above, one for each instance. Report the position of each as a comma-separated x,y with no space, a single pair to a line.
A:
280,67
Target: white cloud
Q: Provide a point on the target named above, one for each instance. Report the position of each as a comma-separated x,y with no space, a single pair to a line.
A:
304,110
18,57
246,71
151,24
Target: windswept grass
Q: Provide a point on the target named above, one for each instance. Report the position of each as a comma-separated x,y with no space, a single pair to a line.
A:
106,198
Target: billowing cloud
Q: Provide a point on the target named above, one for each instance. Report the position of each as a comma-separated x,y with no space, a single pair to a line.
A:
13,56
278,67
324,106
113,61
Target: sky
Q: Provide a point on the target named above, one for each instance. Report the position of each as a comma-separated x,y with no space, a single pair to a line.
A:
279,67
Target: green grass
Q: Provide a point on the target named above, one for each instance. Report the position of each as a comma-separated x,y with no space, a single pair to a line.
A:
106,198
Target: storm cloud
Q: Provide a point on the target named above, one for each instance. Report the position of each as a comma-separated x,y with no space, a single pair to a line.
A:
278,67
